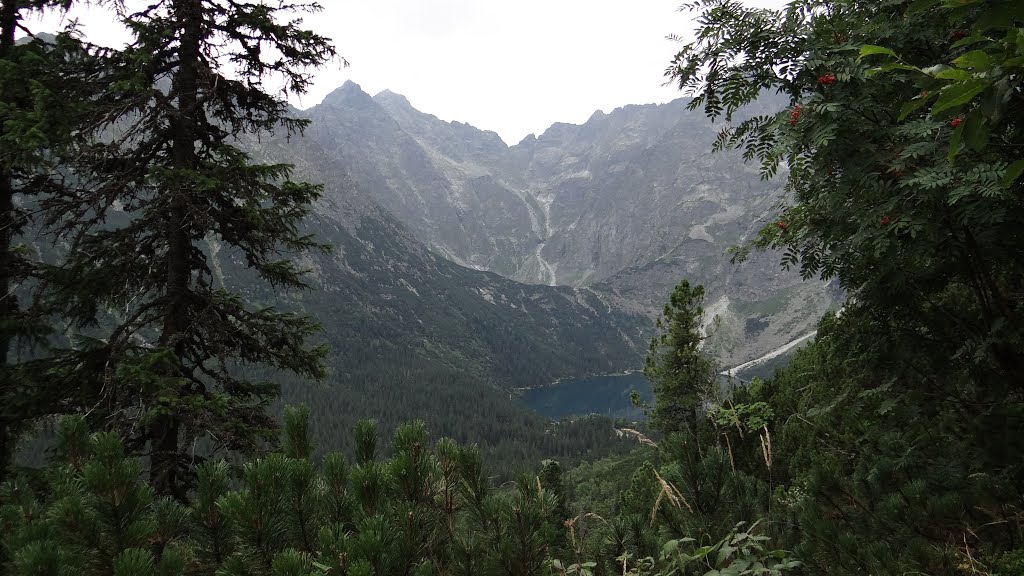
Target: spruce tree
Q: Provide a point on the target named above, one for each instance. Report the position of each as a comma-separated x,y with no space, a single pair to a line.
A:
550,479
681,375
45,84
169,181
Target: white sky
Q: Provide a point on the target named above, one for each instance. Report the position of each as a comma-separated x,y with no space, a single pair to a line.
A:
512,67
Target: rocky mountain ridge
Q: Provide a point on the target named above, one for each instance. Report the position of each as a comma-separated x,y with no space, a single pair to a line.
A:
386,300
631,201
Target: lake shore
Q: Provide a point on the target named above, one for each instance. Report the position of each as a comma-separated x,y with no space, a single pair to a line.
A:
629,372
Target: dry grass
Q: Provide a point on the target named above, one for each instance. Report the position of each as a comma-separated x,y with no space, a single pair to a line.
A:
671,493
578,542
766,447
638,435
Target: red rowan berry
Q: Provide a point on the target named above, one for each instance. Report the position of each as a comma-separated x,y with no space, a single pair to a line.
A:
795,114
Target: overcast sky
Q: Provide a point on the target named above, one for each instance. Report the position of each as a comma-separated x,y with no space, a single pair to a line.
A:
512,67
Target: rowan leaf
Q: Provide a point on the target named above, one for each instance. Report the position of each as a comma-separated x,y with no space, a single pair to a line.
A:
974,60
1012,173
871,50
958,94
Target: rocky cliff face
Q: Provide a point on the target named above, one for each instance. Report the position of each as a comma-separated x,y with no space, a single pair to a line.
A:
391,308
631,201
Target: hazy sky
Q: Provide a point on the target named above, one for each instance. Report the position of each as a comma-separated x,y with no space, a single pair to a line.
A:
512,67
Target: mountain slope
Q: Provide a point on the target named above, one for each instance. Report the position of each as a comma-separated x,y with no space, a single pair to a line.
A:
413,335
387,301
631,202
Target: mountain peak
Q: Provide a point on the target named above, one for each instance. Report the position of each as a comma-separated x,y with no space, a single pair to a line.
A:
44,37
530,138
348,93
392,97
350,86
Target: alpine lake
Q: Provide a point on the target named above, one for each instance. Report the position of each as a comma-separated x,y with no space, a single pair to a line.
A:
607,395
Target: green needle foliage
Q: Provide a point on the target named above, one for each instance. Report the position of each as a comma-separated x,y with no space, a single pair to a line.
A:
167,183
680,506
46,87
682,377
426,510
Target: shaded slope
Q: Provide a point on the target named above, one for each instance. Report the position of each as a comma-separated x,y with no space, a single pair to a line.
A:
386,300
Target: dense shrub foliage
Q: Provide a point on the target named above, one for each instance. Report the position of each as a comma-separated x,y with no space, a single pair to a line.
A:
428,509
892,444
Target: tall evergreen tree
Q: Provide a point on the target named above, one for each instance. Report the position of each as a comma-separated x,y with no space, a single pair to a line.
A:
550,479
680,374
169,182
42,106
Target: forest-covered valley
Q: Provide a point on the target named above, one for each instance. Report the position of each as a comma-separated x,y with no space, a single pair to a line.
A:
240,338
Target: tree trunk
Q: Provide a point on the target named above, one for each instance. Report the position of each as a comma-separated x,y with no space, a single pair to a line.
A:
164,430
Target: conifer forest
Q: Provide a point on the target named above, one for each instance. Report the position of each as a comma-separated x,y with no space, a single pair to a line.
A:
224,353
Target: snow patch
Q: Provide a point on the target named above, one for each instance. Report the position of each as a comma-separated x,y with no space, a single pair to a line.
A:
773,354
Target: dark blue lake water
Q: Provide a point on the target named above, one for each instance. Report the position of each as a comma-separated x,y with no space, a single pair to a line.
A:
606,395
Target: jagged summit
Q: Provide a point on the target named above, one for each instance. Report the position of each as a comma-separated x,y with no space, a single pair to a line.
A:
41,36
399,106
527,140
349,92
422,123
349,87
392,97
